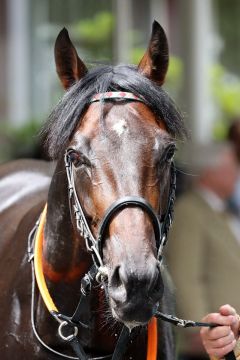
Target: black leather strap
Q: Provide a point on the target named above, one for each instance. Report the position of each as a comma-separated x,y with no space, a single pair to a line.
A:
78,349
86,285
128,201
122,343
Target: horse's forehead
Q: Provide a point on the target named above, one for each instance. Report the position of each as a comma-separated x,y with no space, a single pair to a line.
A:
120,119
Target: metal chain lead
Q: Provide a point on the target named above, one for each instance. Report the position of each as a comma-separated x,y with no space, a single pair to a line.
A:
81,222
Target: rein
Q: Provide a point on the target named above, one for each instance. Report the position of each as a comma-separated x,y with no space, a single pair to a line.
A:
98,271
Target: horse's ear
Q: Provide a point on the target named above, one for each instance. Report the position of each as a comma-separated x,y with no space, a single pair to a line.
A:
154,63
70,67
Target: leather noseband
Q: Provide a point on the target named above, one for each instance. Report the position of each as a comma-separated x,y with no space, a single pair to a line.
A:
118,205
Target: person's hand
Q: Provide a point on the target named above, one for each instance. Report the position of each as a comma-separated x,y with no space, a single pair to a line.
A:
221,340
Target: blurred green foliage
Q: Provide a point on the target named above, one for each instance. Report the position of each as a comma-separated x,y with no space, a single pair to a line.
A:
20,142
226,95
229,30
174,79
96,35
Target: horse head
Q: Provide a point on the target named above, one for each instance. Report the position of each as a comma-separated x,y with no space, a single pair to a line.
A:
120,148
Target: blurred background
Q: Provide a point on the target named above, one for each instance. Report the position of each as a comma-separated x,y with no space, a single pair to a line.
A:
203,79
204,72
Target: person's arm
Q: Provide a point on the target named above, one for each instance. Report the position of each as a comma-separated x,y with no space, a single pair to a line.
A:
220,340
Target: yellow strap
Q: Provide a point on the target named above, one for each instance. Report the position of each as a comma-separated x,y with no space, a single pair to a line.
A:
152,344
38,255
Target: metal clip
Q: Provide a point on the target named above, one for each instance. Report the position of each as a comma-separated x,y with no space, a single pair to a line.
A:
185,323
102,274
69,337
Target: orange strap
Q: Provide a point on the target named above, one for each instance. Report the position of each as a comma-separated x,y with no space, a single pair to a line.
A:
152,343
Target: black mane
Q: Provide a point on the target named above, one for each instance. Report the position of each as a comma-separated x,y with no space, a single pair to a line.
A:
67,113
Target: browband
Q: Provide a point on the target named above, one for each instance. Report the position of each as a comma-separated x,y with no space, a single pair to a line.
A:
115,95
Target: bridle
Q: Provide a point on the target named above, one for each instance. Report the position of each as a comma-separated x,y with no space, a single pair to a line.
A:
95,246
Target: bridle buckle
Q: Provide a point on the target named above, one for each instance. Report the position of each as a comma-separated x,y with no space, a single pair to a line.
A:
68,337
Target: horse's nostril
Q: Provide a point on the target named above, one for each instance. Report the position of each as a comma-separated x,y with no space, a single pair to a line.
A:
115,279
125,284
117,288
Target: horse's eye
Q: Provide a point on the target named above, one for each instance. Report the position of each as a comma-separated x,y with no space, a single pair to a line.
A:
74,157
77,158
170,153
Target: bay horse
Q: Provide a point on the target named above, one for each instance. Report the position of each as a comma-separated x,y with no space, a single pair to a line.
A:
98,243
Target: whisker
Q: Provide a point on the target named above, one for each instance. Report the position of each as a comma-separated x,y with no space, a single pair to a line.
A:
185,173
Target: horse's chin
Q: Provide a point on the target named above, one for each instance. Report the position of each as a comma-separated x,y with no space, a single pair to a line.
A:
129,324
132,323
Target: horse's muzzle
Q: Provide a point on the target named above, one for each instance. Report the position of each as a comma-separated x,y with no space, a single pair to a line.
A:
134,293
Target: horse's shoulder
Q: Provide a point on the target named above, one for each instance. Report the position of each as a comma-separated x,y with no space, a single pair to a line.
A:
24,185
27,165
24,177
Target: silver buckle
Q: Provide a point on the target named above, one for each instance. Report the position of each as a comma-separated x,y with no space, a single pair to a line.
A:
69,337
